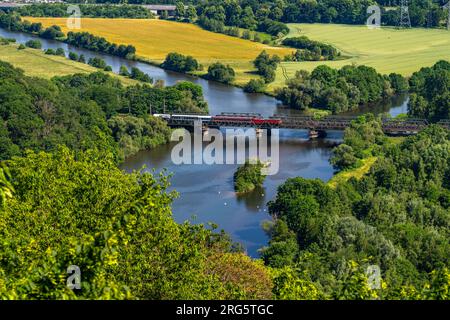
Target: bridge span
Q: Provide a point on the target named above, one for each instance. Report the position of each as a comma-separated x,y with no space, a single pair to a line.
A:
316,127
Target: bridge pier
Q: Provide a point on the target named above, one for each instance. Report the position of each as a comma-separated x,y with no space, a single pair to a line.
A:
313,134
205,130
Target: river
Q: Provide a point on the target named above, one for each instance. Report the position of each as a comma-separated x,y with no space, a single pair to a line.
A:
206,191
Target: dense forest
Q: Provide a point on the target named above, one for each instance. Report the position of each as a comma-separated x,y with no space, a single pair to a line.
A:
251,14
66,208
339,90
396,217
86,112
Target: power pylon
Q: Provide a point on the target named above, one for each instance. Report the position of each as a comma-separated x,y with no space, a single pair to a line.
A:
447,6
405,20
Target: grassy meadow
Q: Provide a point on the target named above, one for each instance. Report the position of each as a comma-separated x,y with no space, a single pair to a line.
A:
35,62
386,49
154,39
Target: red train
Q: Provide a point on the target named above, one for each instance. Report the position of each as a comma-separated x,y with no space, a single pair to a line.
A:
246,119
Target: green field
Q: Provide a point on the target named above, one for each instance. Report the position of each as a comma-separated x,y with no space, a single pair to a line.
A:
386,49
35,63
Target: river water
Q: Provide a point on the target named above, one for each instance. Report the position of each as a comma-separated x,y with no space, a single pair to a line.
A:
206,191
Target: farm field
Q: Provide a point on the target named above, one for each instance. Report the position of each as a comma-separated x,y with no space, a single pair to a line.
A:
386,49
35,63
154,39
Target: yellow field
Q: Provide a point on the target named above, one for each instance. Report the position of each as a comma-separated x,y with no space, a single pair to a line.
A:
37,64
154,39
386,49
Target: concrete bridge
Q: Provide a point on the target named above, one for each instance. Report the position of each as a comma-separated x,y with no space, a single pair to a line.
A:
316,127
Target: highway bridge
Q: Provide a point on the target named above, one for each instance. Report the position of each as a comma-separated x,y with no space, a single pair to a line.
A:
316,127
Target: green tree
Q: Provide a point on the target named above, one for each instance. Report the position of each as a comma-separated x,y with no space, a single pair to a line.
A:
220,72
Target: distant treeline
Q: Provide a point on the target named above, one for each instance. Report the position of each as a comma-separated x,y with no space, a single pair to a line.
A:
262,15
339,90
95,11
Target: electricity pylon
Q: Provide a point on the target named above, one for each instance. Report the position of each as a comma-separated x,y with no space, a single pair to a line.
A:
405,20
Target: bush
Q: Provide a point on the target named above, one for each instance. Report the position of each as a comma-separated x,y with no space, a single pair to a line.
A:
247,35
139,75
50,51
266,66
311,50
60,52
255,85
180,63
73,56
35,44
219,72
97,63
21,47
123,71
52,32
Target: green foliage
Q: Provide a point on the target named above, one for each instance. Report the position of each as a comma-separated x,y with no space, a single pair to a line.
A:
396,216
255,85
117,228
123,71
57,52
289,286
178,62
220,72
248,177
266,66
35,44
138,133
52,33
139,75
74,110
430,89
6,188
99,44
335,90
310,50
98,63
363,138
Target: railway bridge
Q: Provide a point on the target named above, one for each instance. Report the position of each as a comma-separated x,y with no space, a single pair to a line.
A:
316,127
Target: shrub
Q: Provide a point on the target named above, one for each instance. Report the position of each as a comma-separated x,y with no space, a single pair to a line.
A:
35,44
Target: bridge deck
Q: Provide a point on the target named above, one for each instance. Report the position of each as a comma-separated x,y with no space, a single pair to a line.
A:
390,126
